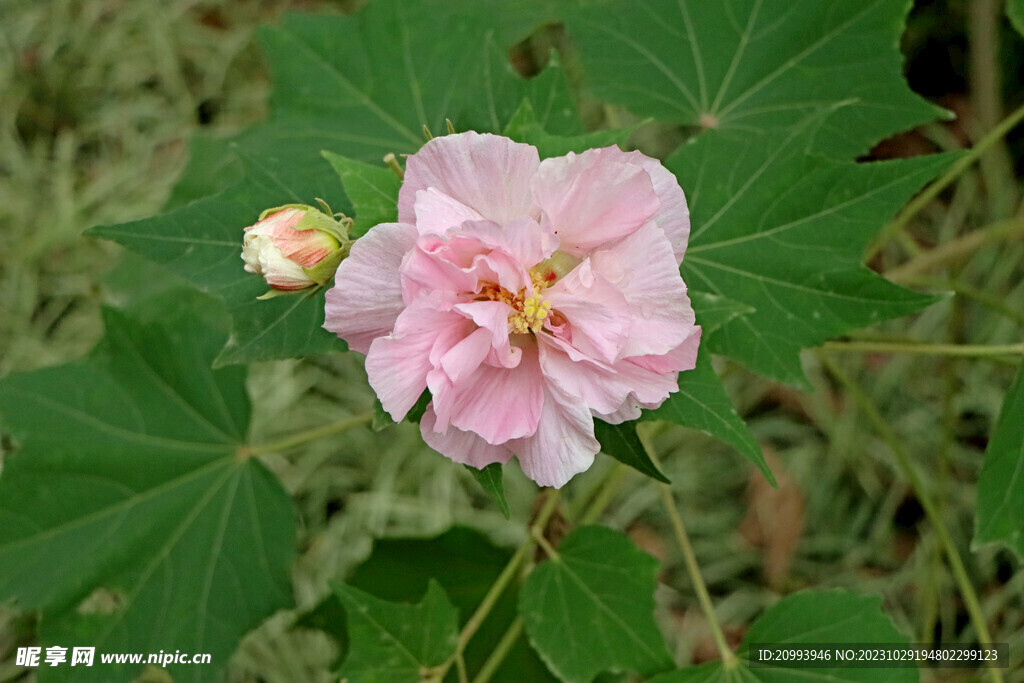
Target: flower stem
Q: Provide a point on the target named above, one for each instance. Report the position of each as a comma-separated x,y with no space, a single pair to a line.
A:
933,190
970,350
307,435
955,249
729,660
609,486
892,439
500,584
500,651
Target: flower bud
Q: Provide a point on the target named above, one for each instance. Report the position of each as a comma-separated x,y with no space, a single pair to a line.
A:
294,247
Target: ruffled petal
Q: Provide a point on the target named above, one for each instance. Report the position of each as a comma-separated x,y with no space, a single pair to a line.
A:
597,314
462,447
366,297
653,371
590,201
522,238
644,269
673,216
458,263
564,443
603,387
436,212
488,173
397,365
493,316
464,358
679,359
495,402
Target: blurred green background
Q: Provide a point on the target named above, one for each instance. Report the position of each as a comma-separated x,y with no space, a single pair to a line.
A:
98,99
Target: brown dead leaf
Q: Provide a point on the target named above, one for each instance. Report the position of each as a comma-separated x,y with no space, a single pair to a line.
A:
774,520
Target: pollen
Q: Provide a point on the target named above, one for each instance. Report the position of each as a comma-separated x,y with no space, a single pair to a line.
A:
528,312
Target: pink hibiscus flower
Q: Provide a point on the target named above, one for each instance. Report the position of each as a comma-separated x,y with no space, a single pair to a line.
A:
528,296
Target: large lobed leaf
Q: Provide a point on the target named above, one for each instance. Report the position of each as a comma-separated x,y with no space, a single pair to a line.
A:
590,608
396,643
1000,513
128,516
784,232
753,65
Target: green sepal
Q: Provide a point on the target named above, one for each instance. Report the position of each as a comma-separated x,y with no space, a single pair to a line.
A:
322,272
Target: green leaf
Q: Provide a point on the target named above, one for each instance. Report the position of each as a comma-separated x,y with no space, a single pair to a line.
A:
621,442
1000,508
524,127
701,403
754,66
489,479
784,232
1015,13
128,515
714,310
466,564
809,617
372,190
359,86
590,608
395,643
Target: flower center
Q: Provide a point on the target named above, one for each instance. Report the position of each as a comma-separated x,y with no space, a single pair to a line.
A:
528,312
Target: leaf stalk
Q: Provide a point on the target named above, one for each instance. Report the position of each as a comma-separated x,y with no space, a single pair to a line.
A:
305,436
964,350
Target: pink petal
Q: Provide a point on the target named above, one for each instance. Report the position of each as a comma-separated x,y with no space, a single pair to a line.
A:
397,365
493,316
590,201
458,263
366,297
602,387
523,238
564,443
644,269
495,402
673,216
462,447
465,357
487,173
597,313
436,212
654,370
679,359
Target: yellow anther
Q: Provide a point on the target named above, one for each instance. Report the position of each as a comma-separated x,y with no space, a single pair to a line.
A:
528,313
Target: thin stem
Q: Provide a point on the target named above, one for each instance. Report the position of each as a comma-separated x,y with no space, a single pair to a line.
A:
545,545
968,350
501,583
729,659
609,487
500,651
983,19
933,190
955,249
892,439
963,289
307,435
